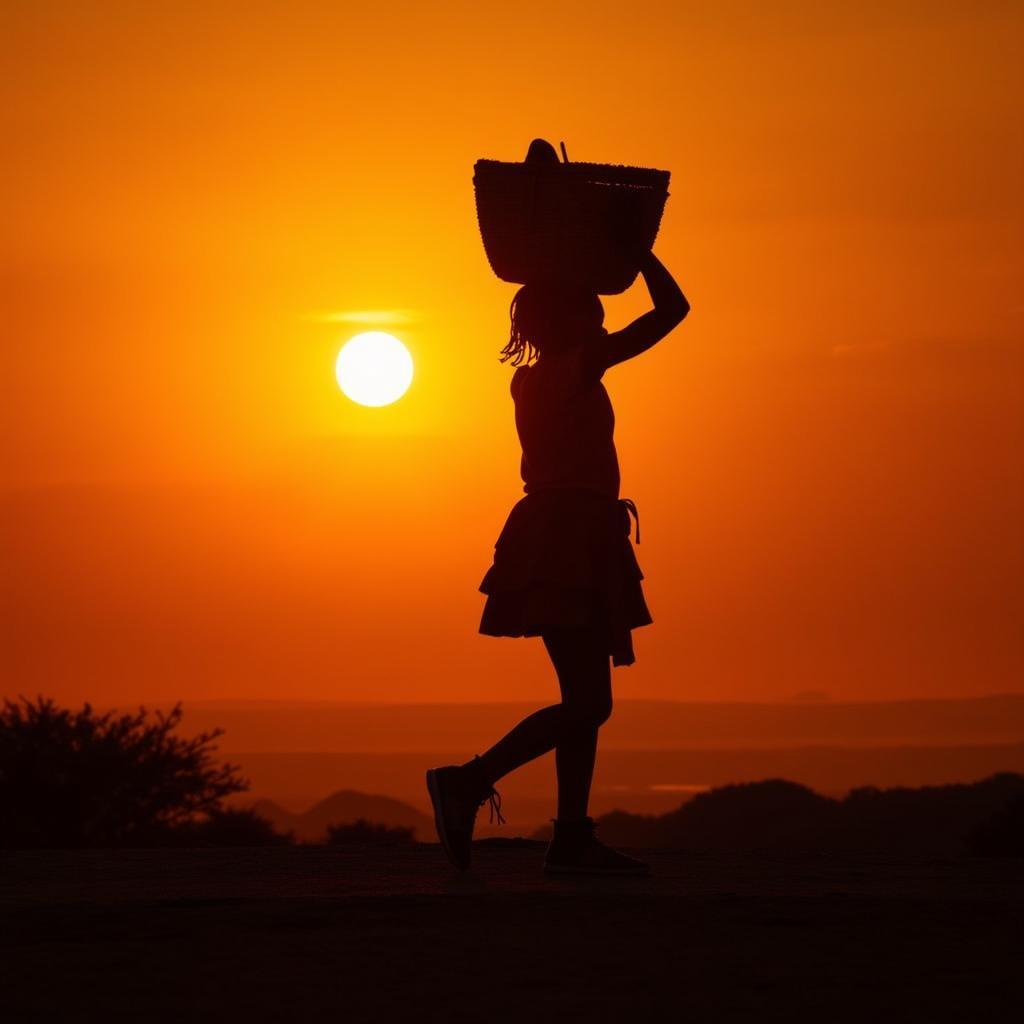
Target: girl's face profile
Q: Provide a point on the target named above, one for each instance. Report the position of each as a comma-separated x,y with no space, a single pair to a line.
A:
576,318
585,318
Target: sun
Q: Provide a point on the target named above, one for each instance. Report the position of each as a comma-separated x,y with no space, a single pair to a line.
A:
374,368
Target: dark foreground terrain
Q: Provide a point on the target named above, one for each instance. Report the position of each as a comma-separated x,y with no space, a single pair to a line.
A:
357,934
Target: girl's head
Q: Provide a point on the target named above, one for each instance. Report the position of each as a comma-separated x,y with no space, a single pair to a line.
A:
550,317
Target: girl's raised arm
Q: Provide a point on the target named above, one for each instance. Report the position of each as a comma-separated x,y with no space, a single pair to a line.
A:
670,307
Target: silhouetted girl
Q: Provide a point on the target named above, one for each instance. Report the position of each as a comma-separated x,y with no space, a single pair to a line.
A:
564,567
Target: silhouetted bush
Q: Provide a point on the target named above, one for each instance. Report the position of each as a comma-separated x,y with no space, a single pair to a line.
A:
77,778
363,831
231,827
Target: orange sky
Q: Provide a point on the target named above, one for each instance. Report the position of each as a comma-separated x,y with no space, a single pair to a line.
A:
826,456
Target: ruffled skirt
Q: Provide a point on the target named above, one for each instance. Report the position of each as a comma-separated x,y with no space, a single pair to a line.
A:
564,558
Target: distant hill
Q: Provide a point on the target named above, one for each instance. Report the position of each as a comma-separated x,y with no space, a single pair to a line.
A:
652,753
344,807
330,727
780,815
642,781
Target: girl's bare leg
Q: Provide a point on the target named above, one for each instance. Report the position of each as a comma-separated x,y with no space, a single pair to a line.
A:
570,728
584,675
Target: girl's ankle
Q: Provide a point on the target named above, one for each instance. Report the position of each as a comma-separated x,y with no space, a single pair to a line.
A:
476,775
572,827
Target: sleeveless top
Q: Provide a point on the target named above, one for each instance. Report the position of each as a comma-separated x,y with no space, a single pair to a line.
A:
565,422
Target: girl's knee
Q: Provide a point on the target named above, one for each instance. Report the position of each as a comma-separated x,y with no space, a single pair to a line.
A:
602,712
591,713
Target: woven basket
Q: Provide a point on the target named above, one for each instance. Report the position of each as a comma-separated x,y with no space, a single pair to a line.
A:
585,224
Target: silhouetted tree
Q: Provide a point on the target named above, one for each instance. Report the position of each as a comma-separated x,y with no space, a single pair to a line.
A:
363,831
78,778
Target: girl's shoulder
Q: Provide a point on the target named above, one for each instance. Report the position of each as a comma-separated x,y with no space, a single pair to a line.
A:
516,384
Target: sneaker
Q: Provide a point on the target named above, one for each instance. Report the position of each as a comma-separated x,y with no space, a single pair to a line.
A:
576,850
457,792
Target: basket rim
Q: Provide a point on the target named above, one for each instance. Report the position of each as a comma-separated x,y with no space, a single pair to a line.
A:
574,169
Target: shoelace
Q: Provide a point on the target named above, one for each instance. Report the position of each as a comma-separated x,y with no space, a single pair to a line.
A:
493,799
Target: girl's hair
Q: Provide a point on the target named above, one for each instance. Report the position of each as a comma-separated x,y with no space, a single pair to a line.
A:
536,310
519,347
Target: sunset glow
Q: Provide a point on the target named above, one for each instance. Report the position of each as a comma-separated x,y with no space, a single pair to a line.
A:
345,348
202,210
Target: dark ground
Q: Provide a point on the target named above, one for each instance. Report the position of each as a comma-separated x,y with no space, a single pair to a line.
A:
354,934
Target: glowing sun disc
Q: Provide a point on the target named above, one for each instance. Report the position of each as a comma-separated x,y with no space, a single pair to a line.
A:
374,368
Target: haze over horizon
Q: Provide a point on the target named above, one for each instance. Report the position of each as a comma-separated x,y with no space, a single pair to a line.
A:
202,202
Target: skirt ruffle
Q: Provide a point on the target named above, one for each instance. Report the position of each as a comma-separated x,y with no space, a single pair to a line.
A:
564,558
